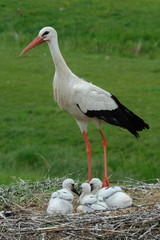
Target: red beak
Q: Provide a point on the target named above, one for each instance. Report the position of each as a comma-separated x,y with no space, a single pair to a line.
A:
38,40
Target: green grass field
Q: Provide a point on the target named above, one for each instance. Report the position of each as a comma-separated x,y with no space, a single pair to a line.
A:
113,44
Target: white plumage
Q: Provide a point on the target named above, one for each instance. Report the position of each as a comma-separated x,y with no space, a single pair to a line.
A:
85,101
90,202
114,197
61,200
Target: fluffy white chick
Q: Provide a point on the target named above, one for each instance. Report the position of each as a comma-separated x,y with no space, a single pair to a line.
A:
90,202
114,196
61,200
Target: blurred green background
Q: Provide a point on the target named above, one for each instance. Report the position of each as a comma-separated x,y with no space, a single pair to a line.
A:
113,44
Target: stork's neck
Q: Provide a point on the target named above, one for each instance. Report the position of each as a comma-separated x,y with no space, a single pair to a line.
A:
94,191
59,62
83,194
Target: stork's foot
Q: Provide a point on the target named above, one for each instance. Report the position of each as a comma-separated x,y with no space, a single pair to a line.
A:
106,182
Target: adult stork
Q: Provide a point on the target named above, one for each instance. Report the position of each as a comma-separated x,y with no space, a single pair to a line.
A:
85,101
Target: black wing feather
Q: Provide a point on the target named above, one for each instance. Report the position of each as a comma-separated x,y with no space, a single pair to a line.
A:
121,117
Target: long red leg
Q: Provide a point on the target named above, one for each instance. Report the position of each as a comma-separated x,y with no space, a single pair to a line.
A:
89,153
104,143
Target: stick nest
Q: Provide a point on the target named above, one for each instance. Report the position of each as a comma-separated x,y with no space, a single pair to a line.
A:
23,214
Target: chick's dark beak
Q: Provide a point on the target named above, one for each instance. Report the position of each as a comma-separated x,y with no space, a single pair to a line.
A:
92,186
80,191
73,189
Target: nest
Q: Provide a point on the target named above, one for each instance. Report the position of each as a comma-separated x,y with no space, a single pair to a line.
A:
29,220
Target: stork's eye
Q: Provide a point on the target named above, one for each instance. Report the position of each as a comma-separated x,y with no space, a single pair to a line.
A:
45,33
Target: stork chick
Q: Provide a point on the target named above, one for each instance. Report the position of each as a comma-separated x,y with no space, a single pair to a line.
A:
90,202
114,196
61,200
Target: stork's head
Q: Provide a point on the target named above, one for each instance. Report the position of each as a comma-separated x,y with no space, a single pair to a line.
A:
85,188
45,34
69,184
95,184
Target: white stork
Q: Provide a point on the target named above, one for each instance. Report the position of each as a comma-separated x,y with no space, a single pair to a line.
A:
90,202
85,101
61,200
114,196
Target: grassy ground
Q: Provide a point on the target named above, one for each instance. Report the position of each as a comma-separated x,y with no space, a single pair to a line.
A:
113,45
